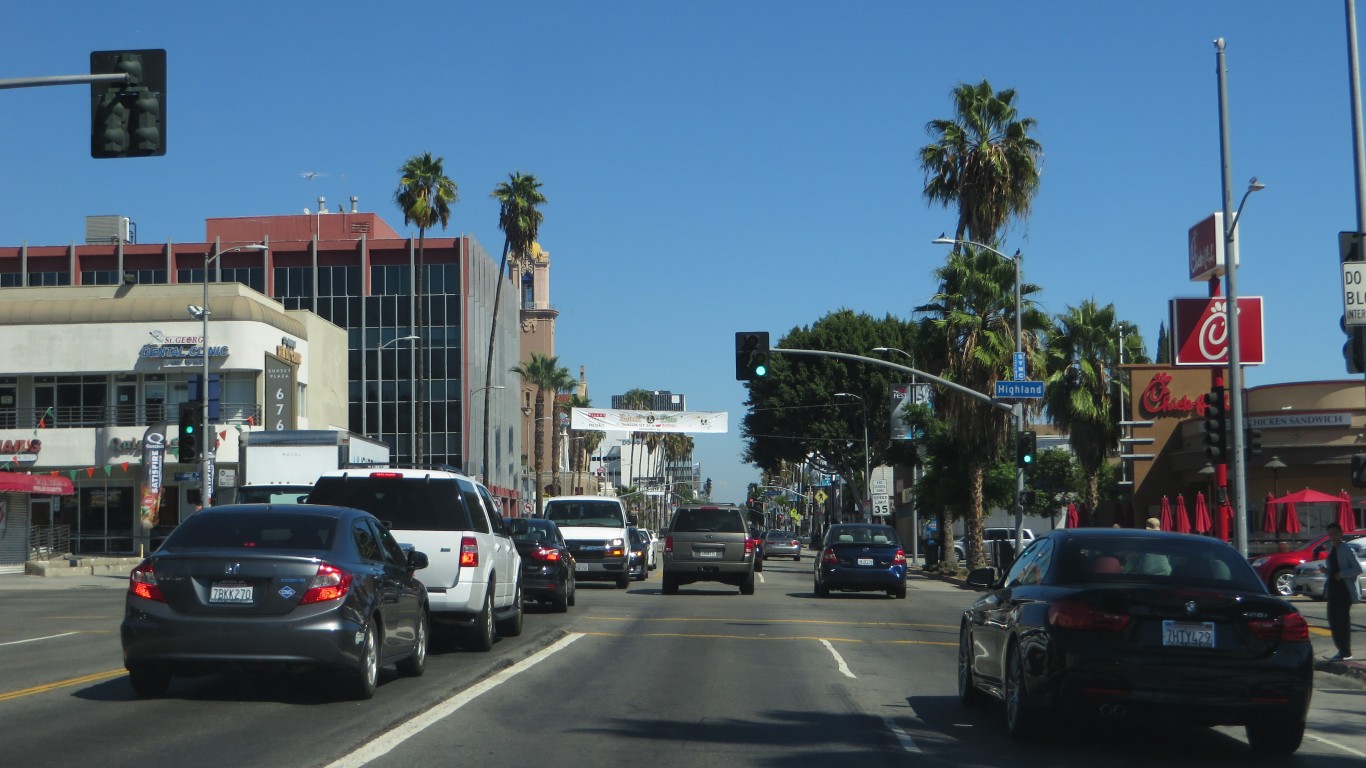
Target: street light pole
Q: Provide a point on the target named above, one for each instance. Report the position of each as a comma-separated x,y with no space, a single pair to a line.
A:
484,460
379,389
867,461
915,468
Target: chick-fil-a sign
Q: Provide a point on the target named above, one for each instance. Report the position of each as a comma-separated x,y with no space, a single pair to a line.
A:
1159,400
1200,331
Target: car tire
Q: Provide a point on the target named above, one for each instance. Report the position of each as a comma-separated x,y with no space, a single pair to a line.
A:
149,682
572,590
1282,582
758,564
1022,716
365,677
899,593
416,663
480,636
624,580
512,625
796,558
821,589
747,586
968,695
1275,735
559,602
670,586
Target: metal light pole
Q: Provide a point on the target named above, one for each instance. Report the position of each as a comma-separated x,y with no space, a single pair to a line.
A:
209,450
1018,410
379,394
915,468
867,461
483,460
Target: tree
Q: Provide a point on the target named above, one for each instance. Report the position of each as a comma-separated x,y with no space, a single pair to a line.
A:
1083,388
424,195
518,217
585,441
545,374
635,400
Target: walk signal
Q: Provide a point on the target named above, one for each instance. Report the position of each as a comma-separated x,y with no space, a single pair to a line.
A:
1216,426
751,355
189,432
1026,448
128,119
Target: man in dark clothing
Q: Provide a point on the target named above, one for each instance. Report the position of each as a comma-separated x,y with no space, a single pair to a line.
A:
1342,589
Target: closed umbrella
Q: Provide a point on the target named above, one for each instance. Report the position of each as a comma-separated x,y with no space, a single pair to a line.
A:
1225,520
1166,514
1345,517
1292,518
1269,514
1183,521
1072,516
1202,521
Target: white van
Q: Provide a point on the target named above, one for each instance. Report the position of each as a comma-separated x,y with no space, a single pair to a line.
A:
595,528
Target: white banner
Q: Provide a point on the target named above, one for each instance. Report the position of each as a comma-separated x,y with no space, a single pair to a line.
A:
613,420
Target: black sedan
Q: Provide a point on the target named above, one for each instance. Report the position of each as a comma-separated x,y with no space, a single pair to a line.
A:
284,586
639,565
1119,624
861,557
547,564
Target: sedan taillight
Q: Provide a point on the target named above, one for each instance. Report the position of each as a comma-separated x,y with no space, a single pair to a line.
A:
668,544
749,545
330,583
1290,628
1075,614
549,554
900,558
469,552
828,556
143,583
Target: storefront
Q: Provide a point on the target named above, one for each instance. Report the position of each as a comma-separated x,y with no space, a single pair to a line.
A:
26,502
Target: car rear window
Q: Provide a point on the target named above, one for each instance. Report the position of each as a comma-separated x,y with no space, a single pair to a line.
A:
605,514
254,530
400,503
527,529
863,534
708,521
1161,560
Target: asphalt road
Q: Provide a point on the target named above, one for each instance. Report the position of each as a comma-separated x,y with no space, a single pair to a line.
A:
702,678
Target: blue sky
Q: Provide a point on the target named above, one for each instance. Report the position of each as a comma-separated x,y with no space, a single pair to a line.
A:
714,166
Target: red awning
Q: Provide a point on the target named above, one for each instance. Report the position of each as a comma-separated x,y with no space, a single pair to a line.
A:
45,485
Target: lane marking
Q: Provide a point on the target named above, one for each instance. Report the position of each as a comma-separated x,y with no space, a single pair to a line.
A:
62,684
1332,743
386,742
839,660
822,622
36,639
907,743
712,636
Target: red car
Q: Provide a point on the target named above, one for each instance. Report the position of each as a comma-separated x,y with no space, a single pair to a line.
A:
1277,569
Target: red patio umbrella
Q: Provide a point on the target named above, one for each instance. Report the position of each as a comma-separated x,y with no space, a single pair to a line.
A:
1345,517
1269,513
1202,521
1072,515
1292,518
1166,514
1225,520
1183,520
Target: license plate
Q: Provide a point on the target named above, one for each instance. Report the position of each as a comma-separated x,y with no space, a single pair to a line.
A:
865,561
714,553
1188,634
230,592
580,566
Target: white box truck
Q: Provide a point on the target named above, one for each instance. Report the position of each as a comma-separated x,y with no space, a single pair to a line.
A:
281,466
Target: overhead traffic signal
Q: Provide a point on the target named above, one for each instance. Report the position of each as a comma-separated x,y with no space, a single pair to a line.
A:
190,425
751,355
1216,426
1252,441
1026,448
128,119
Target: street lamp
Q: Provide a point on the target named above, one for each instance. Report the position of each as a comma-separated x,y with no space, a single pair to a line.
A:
480,468
867,471
379,377
1018,410
915,468
209,451
1276,465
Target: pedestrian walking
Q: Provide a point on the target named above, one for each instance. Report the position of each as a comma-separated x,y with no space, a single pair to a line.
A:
1343,589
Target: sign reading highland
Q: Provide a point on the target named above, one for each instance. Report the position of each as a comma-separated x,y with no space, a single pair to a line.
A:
1019,390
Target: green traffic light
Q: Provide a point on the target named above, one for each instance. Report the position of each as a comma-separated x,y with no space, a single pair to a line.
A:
189,429
760,370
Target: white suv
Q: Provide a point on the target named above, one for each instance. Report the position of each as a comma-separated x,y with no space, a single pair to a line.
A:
474,574
989,535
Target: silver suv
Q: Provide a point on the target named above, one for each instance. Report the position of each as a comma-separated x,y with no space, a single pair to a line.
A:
709,543
990,535
473,576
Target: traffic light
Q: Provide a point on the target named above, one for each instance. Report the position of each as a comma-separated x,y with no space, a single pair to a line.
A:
190,426
1359,470
1026,448
128,119
1252,441
1216,426
751,355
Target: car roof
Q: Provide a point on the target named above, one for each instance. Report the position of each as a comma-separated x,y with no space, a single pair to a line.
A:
323,510
404,472
583,498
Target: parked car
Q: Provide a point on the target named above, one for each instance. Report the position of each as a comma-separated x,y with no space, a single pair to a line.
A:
547,564
781,544
989,535
1108,623
639,567
285,585
861,557
709,543
474,579
1311,576
1277,569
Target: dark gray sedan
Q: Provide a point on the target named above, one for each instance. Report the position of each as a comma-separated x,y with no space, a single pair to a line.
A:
782,544
258,585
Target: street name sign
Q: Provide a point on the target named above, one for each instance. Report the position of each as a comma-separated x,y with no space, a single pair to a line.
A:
1019,390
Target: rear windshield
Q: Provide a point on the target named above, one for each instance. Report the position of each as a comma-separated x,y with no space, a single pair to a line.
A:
266,495
254,530
1160,560
708,521
402,504
863,534
585,514
527,529
778,536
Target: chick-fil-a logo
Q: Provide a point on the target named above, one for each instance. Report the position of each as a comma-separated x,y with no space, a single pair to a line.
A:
1157,399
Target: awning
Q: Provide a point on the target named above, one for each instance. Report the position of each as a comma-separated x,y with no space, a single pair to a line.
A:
45,485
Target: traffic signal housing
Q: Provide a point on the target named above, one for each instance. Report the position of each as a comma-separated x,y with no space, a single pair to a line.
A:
128,119
1252,441
1026,449
1216,426
751,355
190,426
1359,470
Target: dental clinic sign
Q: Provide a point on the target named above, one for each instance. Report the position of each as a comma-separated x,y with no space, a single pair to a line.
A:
179,351
1200,331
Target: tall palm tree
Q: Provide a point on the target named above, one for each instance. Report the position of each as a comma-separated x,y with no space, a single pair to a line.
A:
545,374
584,441
425,195
520,221
636,400
1083,388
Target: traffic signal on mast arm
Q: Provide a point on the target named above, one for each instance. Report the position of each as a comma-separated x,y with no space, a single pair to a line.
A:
1216,426
1252,440
190,426
751,355
128,118
1026,449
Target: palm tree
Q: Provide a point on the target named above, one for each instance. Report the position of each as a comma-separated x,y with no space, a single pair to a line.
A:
545,374
521,223
1083,389
585,441
425,195
636,400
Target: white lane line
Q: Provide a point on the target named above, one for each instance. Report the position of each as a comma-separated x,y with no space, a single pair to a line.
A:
386,742
838,659
36,639
1332,743
907,743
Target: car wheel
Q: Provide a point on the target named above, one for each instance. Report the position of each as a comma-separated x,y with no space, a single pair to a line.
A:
572,590
821,589
365,678
899,593
968,695
1022,717
796,558
480,636
1283,582
512,626
1277,736
149,682
747,586
559,602
416,664
758,564
624,580
670,586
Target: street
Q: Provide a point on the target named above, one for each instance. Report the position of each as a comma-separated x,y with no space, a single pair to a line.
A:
700,678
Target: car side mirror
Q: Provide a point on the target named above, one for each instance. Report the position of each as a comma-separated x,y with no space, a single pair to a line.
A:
982,579
417,561
631,521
